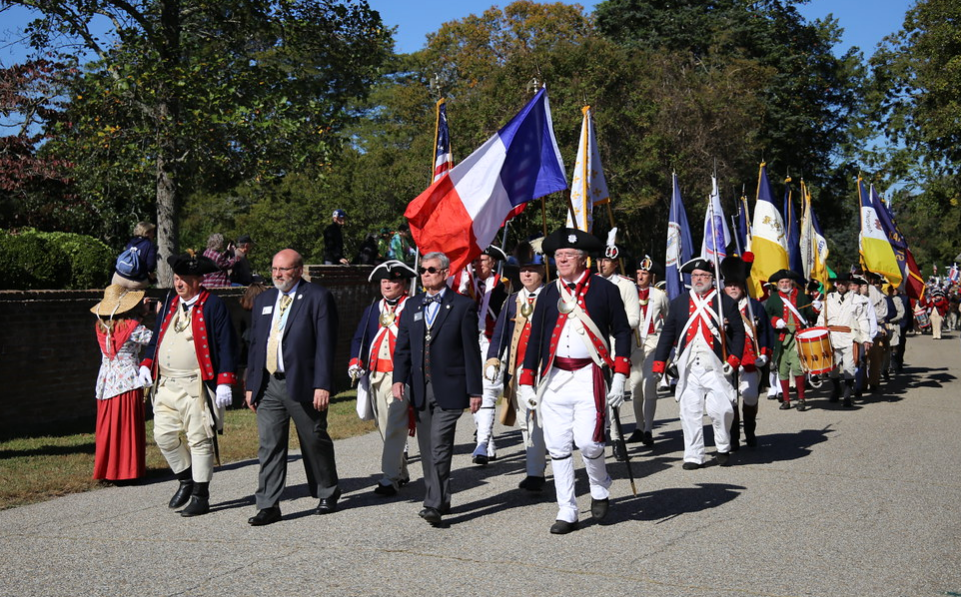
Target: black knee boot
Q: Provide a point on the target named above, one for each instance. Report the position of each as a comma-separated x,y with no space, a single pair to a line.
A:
736,430
750,425
848,388
199,501
183,492
836,392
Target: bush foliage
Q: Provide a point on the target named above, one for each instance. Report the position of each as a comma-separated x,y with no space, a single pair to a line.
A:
32,260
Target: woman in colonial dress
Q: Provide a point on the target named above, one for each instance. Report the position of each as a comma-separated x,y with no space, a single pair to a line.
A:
120,444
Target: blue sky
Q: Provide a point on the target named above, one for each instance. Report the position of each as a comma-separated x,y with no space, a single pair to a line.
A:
864,27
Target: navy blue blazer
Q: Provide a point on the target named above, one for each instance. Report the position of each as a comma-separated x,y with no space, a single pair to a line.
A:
678,314
606,309
454,352
308,342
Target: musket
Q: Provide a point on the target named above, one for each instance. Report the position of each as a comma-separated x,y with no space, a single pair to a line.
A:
750,309
627,457
163,315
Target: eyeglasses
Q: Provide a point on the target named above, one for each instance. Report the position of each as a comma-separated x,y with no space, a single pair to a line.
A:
702,275
429,270
283,269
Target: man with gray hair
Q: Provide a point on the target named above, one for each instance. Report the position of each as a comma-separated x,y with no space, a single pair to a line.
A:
438,357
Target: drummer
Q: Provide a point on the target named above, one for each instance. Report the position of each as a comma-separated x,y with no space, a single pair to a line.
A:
847,321
789,311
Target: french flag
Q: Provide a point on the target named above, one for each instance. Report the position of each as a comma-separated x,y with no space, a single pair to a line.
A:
459,214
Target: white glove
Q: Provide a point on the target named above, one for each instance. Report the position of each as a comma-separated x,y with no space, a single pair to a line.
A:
491,369
144,377
355,372
780,324
528,396
817,305
615,396
760,361
727,369
225,396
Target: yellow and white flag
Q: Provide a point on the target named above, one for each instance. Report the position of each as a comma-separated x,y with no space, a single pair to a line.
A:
877,255
768,240
588,187
814,247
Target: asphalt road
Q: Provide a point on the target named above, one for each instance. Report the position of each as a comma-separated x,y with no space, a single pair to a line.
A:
846,502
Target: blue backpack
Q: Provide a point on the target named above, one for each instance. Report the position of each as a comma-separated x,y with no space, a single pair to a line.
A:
130,264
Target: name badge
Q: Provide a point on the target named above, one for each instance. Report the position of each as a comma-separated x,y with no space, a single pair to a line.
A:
268,310
419,316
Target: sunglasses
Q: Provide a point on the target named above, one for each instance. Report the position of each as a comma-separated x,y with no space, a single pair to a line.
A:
428,270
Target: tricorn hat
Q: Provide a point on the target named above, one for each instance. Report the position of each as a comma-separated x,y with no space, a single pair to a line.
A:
843,277
392,270
782,274
117,299
649,265
495,252
697,263
192,264
571,238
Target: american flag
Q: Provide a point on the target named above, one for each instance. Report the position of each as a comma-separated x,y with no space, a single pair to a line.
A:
443,158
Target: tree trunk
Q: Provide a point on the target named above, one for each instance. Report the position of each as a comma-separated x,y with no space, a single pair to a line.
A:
167,224
168,119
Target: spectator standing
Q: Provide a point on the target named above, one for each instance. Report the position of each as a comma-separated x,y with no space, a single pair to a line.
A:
143,242
400,248
241,273
334,239
224,259
120,441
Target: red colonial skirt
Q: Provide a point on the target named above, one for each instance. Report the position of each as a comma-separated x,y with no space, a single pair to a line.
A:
120,437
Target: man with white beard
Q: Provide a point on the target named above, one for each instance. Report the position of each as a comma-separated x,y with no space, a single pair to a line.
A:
705,361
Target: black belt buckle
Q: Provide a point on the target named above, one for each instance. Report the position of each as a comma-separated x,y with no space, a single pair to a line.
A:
278,375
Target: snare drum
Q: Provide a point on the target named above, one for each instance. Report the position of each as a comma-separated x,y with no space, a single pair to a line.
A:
922,318
814,348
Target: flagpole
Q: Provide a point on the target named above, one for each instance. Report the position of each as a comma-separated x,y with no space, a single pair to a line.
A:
717,278
750,309
547,265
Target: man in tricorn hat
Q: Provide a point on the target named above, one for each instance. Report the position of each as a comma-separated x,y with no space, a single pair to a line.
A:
705,361
372,350
609,266
847,321
572,323
653,304
505,359
789,311
758,345
192,356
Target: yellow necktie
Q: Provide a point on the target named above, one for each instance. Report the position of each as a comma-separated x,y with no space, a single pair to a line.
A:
275,335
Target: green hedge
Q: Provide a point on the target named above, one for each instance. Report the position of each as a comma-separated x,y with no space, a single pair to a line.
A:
31,260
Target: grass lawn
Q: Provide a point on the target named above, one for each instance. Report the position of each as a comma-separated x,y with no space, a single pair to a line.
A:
39,468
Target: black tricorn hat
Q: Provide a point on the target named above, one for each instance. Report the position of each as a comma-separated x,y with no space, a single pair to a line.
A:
781,274
697,263
843,277
649,265
192,264
736,270
571,238
495,253
392,270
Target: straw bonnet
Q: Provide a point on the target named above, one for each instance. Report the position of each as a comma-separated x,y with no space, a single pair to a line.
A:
117,299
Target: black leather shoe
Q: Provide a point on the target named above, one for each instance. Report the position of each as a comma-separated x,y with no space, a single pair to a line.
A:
182,496
431,515
723,459
328,505
620,450
690,466
532,484
480,459
265,517
562,527
599,508
637,436
385,490
801,407
786,405
648,439
197,507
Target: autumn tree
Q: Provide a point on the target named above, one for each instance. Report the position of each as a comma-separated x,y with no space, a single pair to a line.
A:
188,96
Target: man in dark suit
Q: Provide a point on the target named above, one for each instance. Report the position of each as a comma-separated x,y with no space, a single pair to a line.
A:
438,356
290,376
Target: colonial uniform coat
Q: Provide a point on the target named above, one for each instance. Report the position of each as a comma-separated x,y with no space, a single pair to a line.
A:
632,308
789,308
847,321
693,328
653,306
192,352
375,342
567,355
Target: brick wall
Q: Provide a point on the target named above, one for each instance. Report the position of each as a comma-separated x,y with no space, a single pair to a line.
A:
49,357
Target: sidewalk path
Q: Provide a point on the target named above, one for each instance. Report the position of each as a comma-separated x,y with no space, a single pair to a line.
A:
834,502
